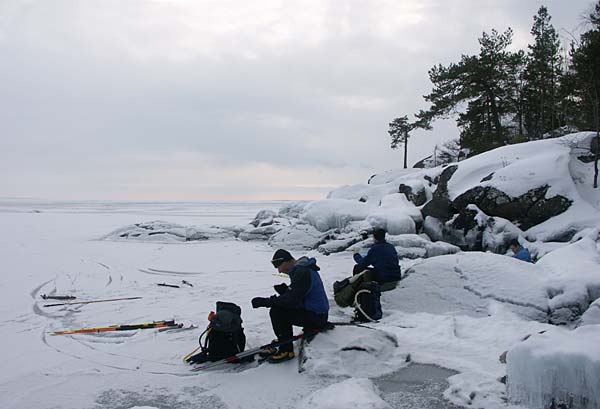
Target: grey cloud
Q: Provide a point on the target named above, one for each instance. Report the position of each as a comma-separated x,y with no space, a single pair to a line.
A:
87,84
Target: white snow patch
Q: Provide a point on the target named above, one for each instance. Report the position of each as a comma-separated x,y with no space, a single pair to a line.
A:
353,393
347,351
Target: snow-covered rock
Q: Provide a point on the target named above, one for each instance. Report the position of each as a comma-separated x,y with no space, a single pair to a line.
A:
516,183
297,237
349,350
472,229
264,218
558,367
574,282
411,246
353,393
466,282
592,315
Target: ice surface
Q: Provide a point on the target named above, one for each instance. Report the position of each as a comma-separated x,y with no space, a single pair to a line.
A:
556,367
57,251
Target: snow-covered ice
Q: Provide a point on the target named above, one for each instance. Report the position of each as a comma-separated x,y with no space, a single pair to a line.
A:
458,311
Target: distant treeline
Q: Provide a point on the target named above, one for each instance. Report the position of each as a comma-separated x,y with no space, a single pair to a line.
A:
500,97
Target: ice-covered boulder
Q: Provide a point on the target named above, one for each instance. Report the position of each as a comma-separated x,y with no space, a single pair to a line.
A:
415,191
472,229
557,369
411,246
259,233
160,231
335,243
465,283
297,237
264,218
392,221
330,214
349,350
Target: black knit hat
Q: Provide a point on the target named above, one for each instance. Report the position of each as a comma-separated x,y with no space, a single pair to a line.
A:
280,257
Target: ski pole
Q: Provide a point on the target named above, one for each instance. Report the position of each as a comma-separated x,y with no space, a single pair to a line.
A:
57,297
168,285
91,302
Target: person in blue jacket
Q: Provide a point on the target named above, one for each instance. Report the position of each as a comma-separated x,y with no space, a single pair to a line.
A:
520,252
381,263
303,303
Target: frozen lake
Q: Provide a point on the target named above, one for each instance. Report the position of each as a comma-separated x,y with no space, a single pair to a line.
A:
54,247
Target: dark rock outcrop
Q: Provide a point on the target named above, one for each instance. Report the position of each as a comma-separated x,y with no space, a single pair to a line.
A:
418,197
440,206
527,210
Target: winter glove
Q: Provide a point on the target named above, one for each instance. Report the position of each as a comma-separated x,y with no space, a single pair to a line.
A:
258,302
281,288
357,257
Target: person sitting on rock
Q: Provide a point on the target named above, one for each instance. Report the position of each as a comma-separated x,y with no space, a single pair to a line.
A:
380,264
520,252
303,303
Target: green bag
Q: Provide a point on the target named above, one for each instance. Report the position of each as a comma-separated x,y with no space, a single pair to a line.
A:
345,290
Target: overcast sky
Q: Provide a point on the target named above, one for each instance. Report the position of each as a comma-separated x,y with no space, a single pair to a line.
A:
226,100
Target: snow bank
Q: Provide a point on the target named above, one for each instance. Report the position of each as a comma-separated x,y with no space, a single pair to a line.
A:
353,393
556,367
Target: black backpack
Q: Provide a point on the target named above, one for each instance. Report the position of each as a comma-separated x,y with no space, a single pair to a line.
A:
367,302
224,336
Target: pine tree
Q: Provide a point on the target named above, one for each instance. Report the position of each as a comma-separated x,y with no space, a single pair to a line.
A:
399,130
486,83
542,77
586,73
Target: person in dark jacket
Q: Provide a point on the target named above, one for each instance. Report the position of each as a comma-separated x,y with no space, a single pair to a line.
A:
380,264
303,303
519,252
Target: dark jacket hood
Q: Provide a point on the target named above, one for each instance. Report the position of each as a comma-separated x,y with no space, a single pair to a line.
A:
306,262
